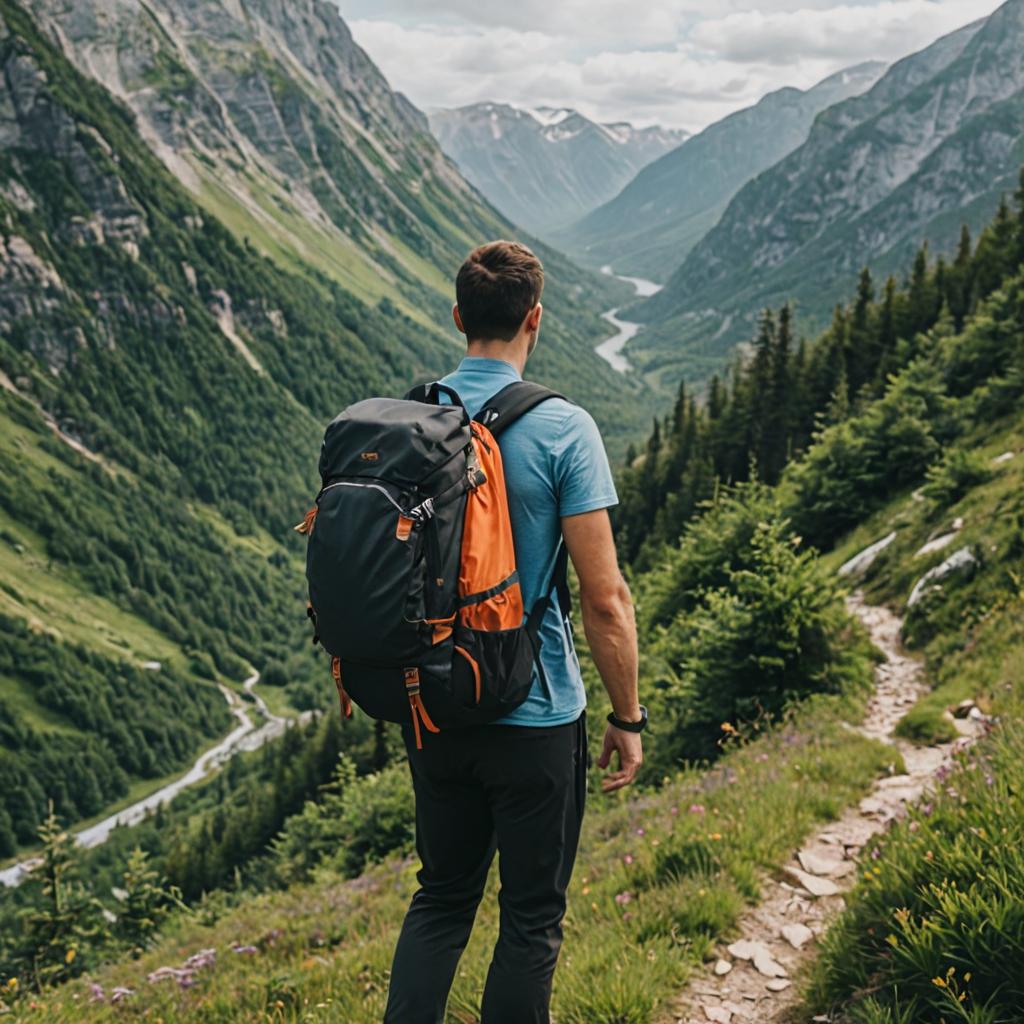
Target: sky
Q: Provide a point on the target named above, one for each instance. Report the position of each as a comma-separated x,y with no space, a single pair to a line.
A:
682,63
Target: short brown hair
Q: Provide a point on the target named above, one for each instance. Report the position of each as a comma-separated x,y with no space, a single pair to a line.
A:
496,287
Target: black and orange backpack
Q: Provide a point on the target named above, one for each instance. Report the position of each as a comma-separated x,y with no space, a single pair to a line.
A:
413,589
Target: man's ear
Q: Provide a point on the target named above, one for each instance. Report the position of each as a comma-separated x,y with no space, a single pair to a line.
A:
533,318
457,317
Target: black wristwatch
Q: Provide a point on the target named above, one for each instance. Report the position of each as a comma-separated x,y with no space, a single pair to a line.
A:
630,726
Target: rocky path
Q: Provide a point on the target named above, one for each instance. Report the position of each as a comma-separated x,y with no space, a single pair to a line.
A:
752,979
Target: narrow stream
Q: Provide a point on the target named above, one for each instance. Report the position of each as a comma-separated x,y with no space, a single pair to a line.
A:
610,350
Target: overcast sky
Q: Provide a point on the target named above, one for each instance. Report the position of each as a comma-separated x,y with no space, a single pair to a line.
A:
684,63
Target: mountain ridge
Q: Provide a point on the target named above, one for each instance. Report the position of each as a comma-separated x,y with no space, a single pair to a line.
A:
933,144
648,228
546,166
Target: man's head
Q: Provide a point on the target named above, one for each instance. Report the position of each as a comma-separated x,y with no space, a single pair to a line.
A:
497,296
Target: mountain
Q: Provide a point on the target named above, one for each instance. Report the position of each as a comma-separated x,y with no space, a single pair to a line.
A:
544,168
284,129
174,335
933,145
649,227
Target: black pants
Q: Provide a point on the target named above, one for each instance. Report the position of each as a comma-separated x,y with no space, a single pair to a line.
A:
516,790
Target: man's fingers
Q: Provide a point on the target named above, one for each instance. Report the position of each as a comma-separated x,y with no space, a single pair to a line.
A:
606,752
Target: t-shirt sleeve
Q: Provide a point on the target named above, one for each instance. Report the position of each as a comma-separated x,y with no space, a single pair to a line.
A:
582,473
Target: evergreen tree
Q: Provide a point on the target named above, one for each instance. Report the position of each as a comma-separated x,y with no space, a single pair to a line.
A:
1019,196
146,902
63,922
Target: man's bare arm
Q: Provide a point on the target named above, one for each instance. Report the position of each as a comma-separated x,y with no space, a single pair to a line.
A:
610,627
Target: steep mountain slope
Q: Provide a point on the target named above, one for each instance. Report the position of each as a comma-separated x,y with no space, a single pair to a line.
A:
649,228
544,168
923,152
163,387
284,129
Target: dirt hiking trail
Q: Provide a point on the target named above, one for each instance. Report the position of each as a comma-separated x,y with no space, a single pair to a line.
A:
752,979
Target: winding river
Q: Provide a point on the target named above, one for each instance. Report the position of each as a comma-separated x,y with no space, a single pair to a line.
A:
245,736
611,348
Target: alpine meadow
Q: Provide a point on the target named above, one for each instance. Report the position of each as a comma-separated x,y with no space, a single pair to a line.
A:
793,302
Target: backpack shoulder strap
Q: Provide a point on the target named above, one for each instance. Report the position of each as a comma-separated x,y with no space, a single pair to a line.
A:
511,402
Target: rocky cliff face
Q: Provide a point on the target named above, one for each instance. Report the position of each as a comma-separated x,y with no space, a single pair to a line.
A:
650,227
286,132
930,146
546,167
271,113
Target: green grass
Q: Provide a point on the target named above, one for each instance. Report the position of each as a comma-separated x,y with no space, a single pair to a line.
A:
690,856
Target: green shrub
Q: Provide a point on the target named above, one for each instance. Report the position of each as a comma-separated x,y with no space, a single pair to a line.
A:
359,821
758,631
948,480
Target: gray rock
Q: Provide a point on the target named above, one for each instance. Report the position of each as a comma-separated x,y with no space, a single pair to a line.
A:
861,562
962,561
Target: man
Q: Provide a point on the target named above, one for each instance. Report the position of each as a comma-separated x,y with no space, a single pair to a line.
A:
518,786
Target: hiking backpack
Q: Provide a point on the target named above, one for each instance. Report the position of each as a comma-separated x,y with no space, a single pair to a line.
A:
413,588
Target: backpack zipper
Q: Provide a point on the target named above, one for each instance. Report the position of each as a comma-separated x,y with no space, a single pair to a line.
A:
423,511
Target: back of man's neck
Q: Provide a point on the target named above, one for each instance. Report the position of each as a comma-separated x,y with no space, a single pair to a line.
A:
507,351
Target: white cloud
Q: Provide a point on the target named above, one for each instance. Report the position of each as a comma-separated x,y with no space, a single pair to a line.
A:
680,62
844,33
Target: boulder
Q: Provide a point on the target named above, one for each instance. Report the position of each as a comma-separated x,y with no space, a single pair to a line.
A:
962,561
860,563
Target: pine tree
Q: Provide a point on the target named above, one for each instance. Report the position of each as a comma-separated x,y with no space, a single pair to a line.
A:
64,923
146,901
778,406
1019,197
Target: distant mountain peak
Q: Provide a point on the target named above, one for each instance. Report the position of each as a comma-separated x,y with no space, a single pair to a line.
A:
545,165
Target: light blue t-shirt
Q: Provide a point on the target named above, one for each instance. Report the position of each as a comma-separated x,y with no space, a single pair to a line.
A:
555,465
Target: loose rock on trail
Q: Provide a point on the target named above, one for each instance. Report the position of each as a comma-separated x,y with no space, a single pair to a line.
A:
751,979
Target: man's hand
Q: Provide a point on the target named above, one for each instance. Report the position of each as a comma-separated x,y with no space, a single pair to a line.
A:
630,749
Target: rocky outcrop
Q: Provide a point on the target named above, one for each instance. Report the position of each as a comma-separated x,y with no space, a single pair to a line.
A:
963,561
277,108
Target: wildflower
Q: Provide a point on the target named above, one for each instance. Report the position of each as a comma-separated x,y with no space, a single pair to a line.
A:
628,859
623,898
12,985
673,810
939,982
120,993
97,993
586,890
697,809
641,831
244,949
715,836
69,956
729,729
